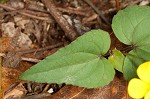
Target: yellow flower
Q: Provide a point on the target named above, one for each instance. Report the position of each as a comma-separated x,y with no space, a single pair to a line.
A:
143,72
140,87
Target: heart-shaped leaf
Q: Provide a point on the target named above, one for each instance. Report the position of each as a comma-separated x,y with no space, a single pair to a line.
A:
80,63
132,27
126,23
131,63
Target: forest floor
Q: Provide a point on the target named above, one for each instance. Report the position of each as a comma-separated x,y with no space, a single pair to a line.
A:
31,30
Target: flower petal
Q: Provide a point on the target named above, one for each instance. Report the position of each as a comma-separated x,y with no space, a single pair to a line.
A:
137,88
147,96
143,72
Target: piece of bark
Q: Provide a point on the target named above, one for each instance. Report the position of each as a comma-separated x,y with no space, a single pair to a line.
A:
67,28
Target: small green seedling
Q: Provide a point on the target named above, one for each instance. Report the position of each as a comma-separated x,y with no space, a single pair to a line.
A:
83,62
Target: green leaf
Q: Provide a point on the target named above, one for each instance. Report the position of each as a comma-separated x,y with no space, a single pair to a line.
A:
81,63
142,39
116,59
127,22
143,52
131,63
132,27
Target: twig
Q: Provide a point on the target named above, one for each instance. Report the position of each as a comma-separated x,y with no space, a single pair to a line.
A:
77,93
72,11
7,7
37,32
33,50
46,88
23,12
97,11
36,13
30,59
40,49
10,88
24,58
68,29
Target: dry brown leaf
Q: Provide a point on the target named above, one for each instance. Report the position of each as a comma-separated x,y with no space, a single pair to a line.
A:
5,44
16,93
10,75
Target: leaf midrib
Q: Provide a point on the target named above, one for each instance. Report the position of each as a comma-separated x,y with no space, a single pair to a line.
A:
67,65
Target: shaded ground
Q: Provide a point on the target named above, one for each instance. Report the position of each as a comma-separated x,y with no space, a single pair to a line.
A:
29,32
